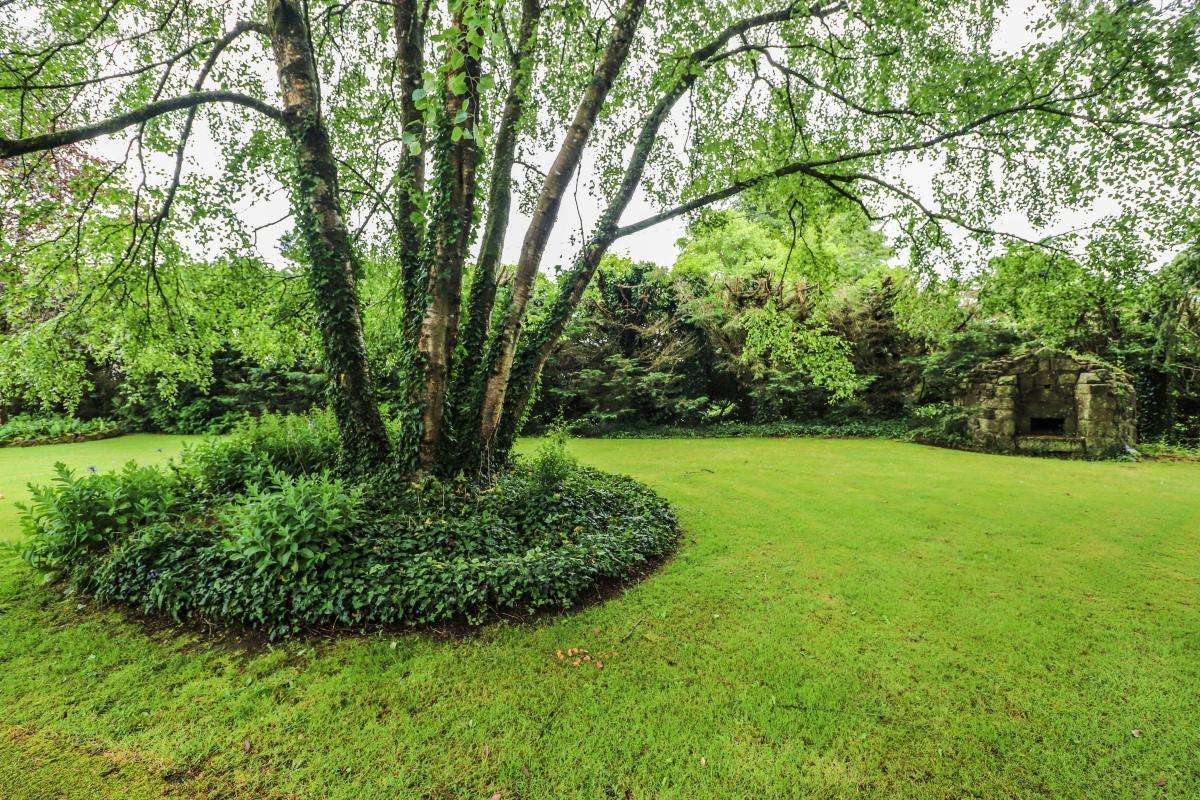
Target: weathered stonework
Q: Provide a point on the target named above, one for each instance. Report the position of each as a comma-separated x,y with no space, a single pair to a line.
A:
1051,402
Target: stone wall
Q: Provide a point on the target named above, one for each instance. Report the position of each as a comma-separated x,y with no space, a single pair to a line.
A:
1051,402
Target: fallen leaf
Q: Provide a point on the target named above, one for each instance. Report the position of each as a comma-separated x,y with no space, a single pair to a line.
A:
1137,732
246,746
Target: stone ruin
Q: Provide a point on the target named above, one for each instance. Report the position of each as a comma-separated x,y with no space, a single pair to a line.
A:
1050,402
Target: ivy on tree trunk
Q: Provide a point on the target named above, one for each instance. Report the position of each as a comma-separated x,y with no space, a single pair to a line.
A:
332,266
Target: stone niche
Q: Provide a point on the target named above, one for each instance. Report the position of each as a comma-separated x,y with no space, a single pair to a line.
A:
1049,402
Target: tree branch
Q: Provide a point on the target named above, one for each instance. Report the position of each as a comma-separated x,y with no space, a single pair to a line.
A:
10,148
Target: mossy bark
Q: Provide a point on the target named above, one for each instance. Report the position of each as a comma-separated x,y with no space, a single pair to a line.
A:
409,22
566,162
332,267
469,364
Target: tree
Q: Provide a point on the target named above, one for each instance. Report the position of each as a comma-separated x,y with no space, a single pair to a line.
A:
398,128
630,355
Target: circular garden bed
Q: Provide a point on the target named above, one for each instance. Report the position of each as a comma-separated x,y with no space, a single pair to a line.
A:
256,531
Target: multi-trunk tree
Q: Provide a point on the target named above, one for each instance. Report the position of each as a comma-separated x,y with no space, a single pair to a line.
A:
405,131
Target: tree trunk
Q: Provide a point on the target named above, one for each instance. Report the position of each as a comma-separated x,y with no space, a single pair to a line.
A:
469,374
546,213
409,21
332,265
451,221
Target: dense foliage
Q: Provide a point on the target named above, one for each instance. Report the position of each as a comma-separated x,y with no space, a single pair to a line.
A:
31,429
860,340
749,333
254,530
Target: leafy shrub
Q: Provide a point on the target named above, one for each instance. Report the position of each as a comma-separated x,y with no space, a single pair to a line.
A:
551,463
292,444
238,386
840,429
292,525
74,518
276,558
27,429
943,424
1165,448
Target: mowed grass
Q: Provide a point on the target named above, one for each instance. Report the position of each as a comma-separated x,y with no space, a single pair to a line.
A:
846,619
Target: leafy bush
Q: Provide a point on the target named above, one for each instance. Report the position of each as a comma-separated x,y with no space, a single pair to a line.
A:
942,424
1165,448
238,386
28,429
551,463
292,525
292,444
74,518
840,429
276,558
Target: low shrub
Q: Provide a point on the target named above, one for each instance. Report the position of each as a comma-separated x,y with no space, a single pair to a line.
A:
942,424
75,518
292,525
293,444
840,429
275,558
551,463
1167,449
28,429
294,547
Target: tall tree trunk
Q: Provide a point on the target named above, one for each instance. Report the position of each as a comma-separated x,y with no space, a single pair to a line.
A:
455,160
409,21
469,360
332,266
500,357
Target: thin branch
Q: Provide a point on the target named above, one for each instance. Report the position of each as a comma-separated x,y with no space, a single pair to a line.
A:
48,141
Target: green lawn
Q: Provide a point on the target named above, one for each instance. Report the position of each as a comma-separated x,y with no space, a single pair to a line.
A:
845,619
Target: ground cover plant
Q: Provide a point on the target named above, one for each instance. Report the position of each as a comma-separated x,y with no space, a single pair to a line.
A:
846,619
256,530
